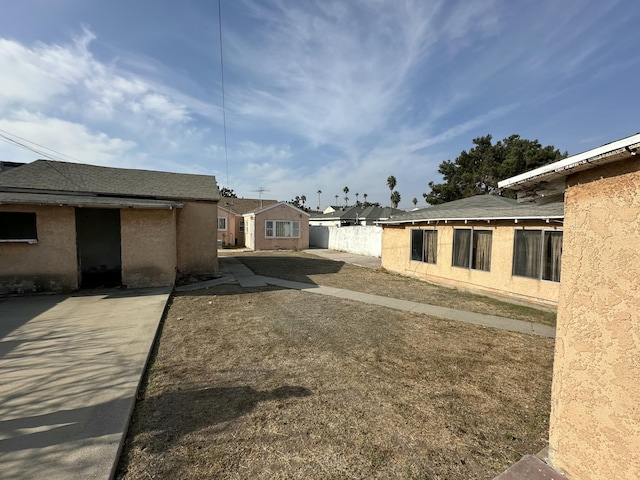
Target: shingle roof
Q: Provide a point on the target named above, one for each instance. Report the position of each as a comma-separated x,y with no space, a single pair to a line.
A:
481,207
240,206
358,212
21,198
46,175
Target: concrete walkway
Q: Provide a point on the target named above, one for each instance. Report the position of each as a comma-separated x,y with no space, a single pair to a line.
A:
70,367
354,259
234,269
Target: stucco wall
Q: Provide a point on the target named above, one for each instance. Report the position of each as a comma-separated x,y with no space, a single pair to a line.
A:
595,415
281,212
197,237
49,265
232,235
360,240
396,257
148,246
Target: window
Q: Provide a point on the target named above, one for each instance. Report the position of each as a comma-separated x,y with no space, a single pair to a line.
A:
281,229
472,249
18,227
242,225
222,223
537,254
424,246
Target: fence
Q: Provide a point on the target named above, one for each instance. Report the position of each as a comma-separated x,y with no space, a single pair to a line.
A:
361,240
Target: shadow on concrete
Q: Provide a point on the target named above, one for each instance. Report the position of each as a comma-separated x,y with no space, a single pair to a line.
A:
50,428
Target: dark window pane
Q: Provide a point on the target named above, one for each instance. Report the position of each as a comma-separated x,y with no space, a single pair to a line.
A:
18,226
461,248
526,253
481,250
431,246
416,245
552,256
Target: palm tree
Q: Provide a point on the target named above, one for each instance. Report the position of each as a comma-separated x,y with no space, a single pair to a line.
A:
319,192
336,199
365,198
395,199
415,201
391,183
357,201
346,199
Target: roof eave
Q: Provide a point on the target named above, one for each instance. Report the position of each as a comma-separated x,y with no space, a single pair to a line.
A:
475,219
609,153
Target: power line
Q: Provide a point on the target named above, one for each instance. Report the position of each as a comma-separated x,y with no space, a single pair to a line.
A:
37,144
224,111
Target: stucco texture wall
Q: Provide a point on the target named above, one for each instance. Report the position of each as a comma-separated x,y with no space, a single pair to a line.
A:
49,265
396,257
281,212
148,246
595,414
197,237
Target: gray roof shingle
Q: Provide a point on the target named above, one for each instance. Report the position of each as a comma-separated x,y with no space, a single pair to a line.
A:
481,207
50,176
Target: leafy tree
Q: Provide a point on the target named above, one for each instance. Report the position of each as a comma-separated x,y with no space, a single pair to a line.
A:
227,192
395,199
479,170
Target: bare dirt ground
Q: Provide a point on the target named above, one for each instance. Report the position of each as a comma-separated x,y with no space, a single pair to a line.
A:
308,268
272,384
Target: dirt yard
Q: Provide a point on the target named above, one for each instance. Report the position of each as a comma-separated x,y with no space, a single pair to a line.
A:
283,384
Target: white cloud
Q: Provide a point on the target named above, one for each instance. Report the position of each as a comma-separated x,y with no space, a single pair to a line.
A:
62,140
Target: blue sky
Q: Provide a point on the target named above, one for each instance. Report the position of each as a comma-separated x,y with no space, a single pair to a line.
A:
319,94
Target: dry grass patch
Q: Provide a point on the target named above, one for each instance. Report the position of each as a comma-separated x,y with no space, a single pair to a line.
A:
304,267
275,384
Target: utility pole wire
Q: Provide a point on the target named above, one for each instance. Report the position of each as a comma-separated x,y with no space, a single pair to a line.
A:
224,111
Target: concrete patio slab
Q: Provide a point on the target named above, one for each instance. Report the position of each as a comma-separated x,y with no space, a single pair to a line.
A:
70,367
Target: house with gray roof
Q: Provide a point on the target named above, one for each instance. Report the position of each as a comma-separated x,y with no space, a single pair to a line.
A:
486,243
355,215
231,227
65,226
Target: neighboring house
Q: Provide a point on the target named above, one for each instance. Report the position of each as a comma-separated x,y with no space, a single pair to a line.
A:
65,226
486,242
595,414
280,226
231,220
356,215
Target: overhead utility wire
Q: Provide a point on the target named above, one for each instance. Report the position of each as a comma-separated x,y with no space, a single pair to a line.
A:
34,143
224,112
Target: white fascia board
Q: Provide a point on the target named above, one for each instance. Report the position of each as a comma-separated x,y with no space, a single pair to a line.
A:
481,219
564,167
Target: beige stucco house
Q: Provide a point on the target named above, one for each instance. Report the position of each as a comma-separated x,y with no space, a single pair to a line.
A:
231,229
595,411
485,243
280,226
65,226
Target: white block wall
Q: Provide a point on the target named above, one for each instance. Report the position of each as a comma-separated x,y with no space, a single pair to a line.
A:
360,240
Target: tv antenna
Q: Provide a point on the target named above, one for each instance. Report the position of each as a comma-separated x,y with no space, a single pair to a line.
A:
260,191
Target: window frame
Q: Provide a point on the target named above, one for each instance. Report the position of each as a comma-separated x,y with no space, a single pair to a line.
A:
470,260
423,233
224,228
272,226
26,233
543,252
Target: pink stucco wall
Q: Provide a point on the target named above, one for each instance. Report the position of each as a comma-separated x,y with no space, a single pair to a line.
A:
258,241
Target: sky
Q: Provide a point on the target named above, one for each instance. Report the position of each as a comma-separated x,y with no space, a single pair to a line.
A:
318,95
